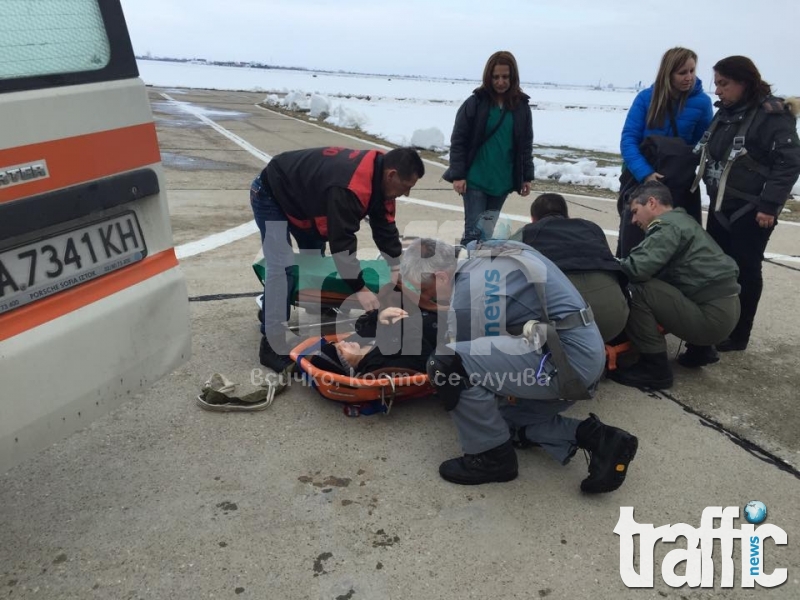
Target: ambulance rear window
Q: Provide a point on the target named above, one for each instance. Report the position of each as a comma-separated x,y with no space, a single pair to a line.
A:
47,37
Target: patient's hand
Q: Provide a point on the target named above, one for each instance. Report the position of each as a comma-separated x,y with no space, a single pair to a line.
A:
391,315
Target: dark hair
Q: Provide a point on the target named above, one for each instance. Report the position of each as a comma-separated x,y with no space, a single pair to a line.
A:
652,189
514,93
742,70
406,161
327,359
547,205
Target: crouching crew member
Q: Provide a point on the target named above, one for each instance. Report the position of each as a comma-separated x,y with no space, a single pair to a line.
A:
579,248
681,280
524,347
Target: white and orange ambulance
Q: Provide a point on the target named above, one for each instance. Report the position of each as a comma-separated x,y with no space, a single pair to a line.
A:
93,305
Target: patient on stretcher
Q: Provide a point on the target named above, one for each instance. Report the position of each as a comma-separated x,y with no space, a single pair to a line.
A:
357,355
398,338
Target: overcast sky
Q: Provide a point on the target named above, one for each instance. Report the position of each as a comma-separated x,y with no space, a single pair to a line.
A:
562,41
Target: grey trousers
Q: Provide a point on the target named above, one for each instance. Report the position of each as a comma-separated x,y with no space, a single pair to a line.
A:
655,302
602,292
503,367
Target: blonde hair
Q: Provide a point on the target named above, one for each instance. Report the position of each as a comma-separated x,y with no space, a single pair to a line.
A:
664,96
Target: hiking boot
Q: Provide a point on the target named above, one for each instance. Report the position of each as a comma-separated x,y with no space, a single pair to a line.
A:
730,345
611,450
698,356
497,464
651,372
271,359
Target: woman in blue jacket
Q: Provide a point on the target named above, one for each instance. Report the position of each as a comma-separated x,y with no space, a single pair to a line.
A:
491,148
675,105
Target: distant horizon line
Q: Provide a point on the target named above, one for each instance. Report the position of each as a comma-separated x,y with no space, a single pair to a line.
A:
261,65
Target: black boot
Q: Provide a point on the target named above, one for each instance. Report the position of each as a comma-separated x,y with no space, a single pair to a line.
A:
271,359
698,356
651,372
611,450
731,345
497,464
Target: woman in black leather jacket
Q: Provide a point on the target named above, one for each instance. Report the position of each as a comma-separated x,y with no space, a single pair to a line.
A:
748,183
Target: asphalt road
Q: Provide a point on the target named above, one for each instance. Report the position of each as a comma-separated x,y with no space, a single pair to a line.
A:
160,499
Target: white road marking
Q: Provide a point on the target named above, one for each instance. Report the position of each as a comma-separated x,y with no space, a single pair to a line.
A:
192,110
216,240
242,231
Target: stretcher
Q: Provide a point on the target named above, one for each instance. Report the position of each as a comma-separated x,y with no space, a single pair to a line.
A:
614,352
317,284
371,393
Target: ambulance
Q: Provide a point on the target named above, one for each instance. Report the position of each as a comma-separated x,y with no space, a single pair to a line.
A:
93,304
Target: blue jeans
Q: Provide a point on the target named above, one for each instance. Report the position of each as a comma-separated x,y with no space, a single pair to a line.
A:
477,225
278,260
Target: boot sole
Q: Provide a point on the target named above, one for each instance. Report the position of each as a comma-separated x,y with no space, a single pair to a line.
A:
656,385
697,365
660,384
624,458
732,349
500,479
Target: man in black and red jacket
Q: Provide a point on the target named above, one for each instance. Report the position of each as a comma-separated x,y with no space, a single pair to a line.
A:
321,195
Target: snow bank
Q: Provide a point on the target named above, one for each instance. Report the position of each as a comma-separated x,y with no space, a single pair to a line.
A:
428,139
581,172
319,106
342,116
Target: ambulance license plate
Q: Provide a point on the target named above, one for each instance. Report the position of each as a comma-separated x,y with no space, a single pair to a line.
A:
58,262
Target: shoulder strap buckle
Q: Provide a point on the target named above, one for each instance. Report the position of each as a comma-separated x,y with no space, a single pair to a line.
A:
701,143
737,149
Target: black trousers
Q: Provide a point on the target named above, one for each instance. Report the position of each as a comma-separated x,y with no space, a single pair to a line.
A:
745,243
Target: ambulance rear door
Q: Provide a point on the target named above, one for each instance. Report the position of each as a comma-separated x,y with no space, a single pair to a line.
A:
93,304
